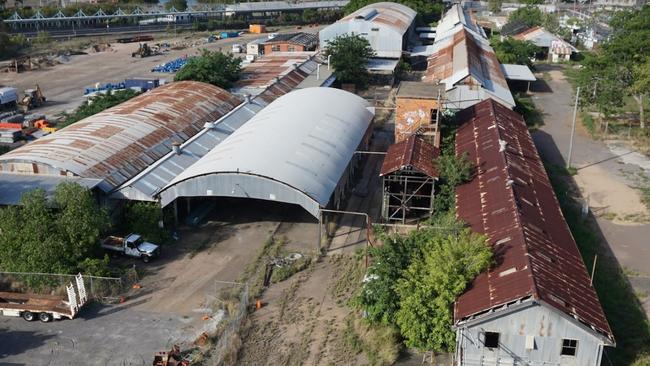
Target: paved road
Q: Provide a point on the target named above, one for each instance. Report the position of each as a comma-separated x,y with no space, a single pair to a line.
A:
101,336
627,241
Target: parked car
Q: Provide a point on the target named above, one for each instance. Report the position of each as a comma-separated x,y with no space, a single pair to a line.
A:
131,245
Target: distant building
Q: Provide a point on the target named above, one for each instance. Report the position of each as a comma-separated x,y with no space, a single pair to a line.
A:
387,26
535,305
417,110
619,3
466,64
554,48
291,42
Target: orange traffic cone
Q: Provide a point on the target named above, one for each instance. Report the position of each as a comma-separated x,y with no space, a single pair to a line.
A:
258,304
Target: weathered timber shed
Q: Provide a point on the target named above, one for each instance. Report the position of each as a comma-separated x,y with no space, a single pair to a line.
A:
409,179
386,25
535,305
298,150
120,142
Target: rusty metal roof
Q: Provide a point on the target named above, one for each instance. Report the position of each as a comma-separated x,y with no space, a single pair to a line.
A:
412,153
512,202
308,40
464,58
118,143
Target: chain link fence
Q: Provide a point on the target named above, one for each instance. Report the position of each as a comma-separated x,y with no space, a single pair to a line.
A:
226,338
102,289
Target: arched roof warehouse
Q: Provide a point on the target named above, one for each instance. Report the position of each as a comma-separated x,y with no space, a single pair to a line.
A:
385,25
118,143
296,150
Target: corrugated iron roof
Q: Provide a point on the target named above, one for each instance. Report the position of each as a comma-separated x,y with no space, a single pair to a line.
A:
512,202
146,185
302,38
454,16
543,38
118,143
394,15
412,153
464,57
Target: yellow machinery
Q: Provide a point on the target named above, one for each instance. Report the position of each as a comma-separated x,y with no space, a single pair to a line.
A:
33,98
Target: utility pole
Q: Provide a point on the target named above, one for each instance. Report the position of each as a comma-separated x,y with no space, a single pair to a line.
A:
573,129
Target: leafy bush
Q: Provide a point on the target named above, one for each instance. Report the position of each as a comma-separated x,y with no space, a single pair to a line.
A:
350,55
214,68
144,218
52,236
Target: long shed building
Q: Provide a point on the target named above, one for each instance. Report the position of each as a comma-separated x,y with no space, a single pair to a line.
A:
536,304
298,150
115,145
386,25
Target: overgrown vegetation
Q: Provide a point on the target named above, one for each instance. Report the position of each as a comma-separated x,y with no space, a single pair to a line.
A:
98,104
618,73
57,235
513,51
624,313
349,57
211,67
414,279
525,106
145,218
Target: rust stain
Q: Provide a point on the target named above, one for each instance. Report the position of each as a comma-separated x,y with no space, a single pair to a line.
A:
512,202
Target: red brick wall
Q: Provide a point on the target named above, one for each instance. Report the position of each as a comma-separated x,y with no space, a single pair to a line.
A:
411,114
284,47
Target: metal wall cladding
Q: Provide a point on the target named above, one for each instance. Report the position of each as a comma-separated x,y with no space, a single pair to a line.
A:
546,327
512,202
118,143
383,24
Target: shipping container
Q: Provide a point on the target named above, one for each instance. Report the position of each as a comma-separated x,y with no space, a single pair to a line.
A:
142,84
8,95
229,34
257,28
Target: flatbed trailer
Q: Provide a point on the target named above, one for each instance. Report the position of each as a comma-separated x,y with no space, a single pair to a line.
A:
45,307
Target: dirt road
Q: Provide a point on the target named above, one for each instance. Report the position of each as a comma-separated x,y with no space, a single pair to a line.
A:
606,177
63,84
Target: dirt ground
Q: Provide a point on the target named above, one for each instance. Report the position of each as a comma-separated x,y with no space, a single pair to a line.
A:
63,85
303,318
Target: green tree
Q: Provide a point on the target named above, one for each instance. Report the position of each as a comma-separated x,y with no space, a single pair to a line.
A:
349,56
453,172
616,70
495,5
180,5
211,67
529,15
513,51
432,283
641,86
51,235
144,218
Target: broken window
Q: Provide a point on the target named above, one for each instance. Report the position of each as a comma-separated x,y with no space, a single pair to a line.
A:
569,347
491,340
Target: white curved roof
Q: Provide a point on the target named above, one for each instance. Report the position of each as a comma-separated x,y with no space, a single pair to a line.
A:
304,141
383,24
